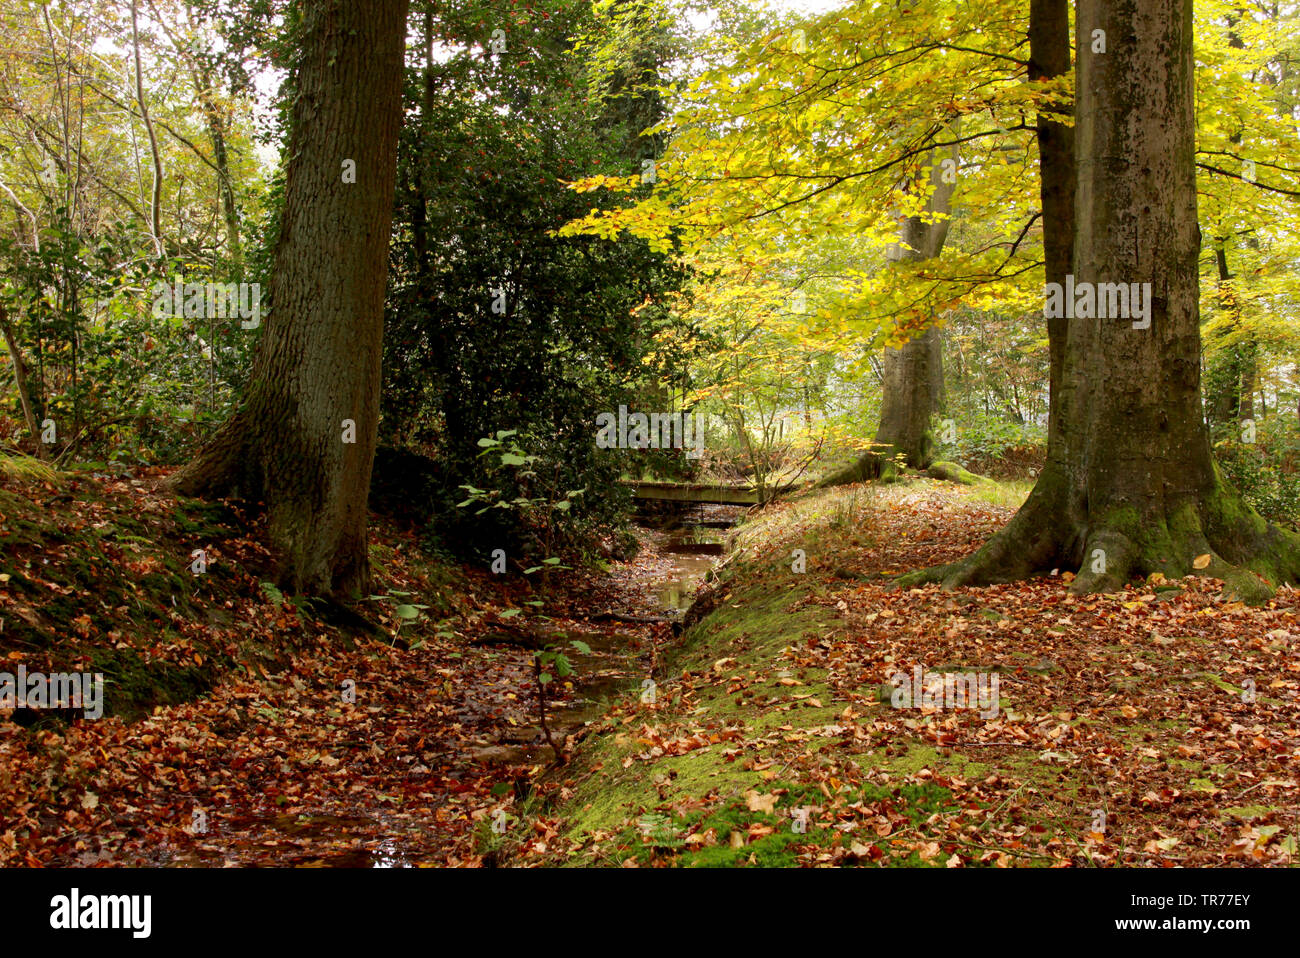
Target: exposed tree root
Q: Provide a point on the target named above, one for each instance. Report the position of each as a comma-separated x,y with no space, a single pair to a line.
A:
870,466
1218,537
316,551
882,464
951,472
220,468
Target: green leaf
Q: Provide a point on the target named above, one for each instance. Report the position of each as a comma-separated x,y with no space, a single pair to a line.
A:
530,571
562,666
510,459
407,612
581,646
273,593
508,613
544,678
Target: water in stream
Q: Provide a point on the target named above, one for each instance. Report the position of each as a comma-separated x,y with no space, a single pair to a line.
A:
677,588
679,547
691,541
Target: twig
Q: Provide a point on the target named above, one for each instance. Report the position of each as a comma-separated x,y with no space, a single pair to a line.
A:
541,708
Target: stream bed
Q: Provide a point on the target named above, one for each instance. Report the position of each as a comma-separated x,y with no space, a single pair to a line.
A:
678,548
624,617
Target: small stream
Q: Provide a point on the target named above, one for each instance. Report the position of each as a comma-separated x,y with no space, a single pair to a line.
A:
680,544
692,542
679,547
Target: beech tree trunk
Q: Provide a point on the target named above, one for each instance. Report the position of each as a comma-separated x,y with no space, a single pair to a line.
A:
913,373
1231,397
1130,487
225,183
318,365
913,393
1049,57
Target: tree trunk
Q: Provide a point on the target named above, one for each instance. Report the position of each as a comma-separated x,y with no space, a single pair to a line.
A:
318,364
1131,487
1223,391
225,182
20,378
1049,57
1230,396
1249,380
155,202
417,186
913,373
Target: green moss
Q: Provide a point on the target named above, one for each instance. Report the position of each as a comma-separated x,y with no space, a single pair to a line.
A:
751,622
133,688
918,757
203,519
1123,519
952,472
734,835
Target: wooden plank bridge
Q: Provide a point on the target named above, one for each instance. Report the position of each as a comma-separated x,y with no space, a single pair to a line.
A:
718,493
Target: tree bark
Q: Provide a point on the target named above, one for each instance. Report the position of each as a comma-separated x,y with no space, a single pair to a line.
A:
911,397
225,182
1049,57
155,202
913,373
20,378
318,363
1249,381
1223,391
1131,487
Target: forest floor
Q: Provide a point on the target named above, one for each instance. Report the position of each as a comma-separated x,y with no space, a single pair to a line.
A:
248,728
1159,726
